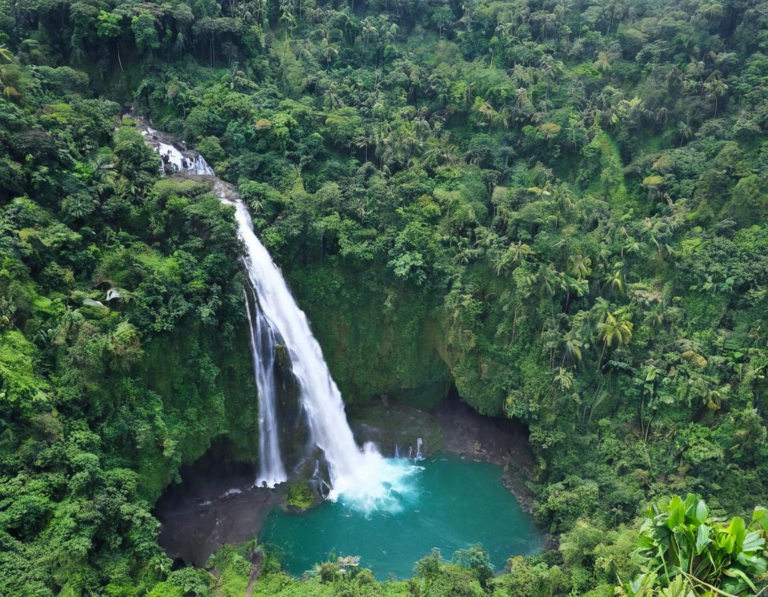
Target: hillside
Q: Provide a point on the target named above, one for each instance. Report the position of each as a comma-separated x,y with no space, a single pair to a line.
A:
558,209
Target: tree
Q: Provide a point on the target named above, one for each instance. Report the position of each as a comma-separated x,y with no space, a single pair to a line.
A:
615,329
144,31
487,112
109,27
715,87
6,56
580,266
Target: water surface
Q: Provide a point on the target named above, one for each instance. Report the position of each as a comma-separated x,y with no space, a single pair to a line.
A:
450,504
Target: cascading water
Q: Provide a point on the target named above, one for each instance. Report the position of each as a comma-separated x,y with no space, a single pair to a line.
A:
193,163
362,478
262,338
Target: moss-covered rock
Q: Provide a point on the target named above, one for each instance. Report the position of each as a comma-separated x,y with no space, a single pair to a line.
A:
375,341
300,496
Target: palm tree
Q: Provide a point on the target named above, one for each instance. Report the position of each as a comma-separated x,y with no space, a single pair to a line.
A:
329,52
603,61
367,32
103,175
615,330
486,111
440,151
364,139
715,87
550,280
551,68
563,379
573,347
515,254
520,75
695,68
685,131
6,56
615,281
656,316
580,266
658,231
523,101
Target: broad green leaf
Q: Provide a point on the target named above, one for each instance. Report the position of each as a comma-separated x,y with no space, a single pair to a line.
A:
736,573
676,513
757,565
702,538
701,511
760,516
738,531
753,542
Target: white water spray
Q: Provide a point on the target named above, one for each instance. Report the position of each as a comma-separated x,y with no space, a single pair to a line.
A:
191,163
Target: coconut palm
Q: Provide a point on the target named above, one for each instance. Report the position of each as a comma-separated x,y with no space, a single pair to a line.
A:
615,330
6,56
488,113
715,87
563,379
579,266
615,281
572,346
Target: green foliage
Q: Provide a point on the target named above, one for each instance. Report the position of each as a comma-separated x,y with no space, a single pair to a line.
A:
233,569
102,401
299,495
683,551
559,210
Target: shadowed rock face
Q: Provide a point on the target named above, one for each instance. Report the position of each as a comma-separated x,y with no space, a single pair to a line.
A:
396,429
215,504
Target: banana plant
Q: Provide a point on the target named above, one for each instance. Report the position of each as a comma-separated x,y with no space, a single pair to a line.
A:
686,553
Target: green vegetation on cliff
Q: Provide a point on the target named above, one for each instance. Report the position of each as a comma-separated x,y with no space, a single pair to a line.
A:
558,207
103,397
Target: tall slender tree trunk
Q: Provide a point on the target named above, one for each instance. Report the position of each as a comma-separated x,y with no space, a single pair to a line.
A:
119,61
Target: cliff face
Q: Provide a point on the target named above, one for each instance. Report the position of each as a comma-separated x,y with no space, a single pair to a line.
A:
405,344
376,342
207,391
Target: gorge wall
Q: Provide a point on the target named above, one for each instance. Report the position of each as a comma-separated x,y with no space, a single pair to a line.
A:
400,342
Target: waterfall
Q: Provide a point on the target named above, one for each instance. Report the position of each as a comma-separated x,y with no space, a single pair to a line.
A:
262,340
362,477
319,394
192,163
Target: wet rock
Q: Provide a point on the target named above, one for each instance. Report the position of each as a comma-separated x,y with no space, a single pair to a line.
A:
215,504
396,429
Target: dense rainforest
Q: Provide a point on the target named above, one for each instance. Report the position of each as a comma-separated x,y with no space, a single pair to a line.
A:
557,208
